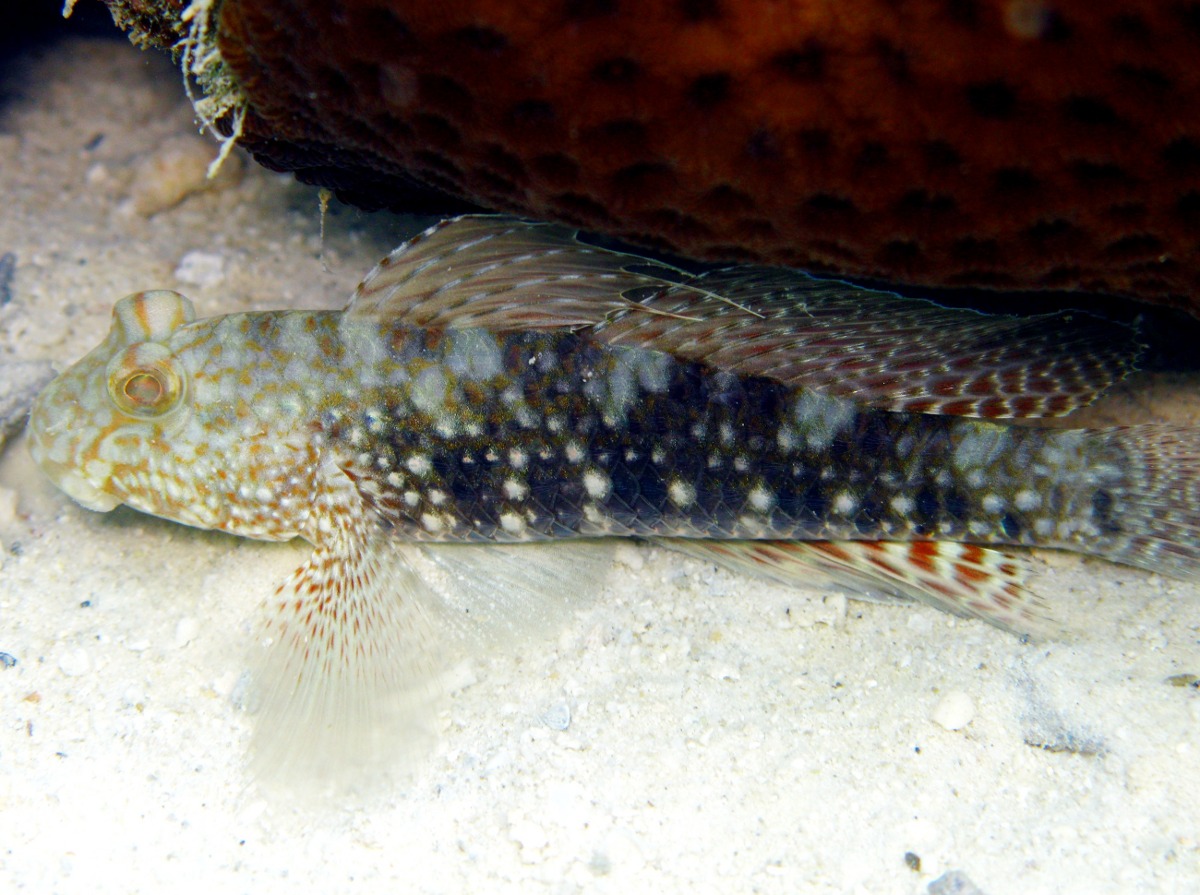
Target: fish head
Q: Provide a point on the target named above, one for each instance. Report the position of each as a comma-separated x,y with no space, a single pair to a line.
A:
97,426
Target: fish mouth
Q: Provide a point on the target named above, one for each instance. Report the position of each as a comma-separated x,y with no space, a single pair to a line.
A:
86,494
72,483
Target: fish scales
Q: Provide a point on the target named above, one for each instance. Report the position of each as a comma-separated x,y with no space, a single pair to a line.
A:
499,382
569,438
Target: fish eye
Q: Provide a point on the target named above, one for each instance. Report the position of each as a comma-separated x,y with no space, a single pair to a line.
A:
144,381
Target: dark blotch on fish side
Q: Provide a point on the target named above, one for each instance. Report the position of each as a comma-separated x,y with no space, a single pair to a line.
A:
7,660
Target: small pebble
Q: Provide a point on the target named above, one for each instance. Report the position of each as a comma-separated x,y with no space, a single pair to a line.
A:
74,663
201,269
955,882
531,838
7,660
176,170
558,716
185,631
954,711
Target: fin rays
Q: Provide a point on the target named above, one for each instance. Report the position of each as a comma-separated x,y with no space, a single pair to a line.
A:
878,348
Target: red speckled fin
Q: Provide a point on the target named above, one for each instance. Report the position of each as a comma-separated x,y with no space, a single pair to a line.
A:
881,349
361,634
875,347
350,682
964,579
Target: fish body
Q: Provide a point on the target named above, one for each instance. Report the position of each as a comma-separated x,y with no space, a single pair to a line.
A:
472,436
443,407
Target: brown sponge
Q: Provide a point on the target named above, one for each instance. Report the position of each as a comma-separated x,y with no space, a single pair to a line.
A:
1031,144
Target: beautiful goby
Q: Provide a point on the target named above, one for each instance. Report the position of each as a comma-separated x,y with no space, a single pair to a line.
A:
494,381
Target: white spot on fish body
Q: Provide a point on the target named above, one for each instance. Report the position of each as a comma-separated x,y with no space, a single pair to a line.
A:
419,464
574,451
681,493
597,484
992,503
376,421
429,391
512,523
1027,500
761,499
821,418
902,504
474,354
412,498
432,522
437,497
517,458
844,503
515,489
979,445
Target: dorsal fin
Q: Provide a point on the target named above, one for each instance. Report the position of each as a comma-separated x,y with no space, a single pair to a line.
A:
877,348
505,275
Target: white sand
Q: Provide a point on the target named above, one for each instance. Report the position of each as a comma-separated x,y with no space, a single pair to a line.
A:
720,735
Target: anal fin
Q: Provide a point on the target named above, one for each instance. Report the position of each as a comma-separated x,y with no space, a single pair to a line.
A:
965,579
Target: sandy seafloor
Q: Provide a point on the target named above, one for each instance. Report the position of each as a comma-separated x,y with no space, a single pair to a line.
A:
721,735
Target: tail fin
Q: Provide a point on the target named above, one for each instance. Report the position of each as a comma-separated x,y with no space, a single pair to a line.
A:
1153,519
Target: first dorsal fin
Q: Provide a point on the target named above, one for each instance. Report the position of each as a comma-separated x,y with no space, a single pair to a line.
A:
505,275
877,348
